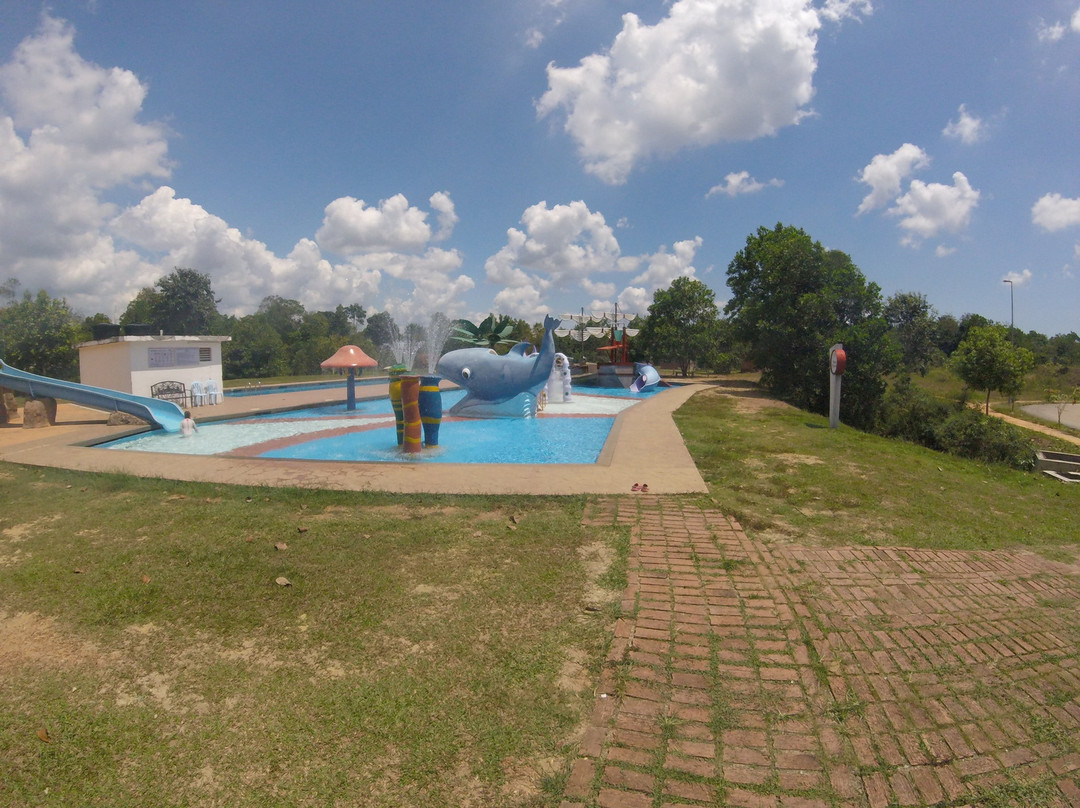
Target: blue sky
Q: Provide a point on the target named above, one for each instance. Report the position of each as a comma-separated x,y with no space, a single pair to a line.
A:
534,156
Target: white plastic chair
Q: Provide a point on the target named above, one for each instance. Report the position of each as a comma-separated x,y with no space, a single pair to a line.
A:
213,394
198,395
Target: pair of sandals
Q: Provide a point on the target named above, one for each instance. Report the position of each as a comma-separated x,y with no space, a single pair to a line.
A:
644,488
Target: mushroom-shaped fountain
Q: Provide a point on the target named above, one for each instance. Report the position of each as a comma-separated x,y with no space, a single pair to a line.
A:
349,357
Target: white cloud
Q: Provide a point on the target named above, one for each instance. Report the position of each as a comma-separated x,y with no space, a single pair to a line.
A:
710,71
569,245
1054,212
598,289
351,227
564,243
1050,32
967,128
885,173
927,209
634,299
69,131
444,213
524,302
1018,278
839,10
662,267
741,182
1075,22
941,251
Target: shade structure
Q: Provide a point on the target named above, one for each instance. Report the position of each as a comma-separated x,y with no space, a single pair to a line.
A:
348,356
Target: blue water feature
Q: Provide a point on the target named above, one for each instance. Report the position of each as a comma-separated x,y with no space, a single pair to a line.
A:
367,434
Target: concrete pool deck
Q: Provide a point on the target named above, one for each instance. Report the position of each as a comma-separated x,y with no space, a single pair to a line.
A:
644,447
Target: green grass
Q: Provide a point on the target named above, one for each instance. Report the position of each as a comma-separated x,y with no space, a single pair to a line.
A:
428,650
786,476
416,657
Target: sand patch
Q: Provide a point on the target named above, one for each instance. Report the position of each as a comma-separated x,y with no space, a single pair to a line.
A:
28,638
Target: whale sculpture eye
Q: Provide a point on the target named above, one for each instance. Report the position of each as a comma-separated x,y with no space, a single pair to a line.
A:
465,373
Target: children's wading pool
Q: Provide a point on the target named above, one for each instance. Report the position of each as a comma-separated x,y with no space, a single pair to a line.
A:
566,432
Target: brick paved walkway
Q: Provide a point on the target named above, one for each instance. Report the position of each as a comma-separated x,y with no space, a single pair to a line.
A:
746,674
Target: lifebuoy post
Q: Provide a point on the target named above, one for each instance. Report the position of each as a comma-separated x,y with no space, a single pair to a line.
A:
837,365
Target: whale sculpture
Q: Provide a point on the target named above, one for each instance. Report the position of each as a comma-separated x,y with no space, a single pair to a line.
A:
500,386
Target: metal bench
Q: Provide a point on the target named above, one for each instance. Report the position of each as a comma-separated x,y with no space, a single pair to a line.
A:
170,391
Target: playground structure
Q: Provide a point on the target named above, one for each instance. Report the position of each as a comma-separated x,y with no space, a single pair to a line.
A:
619,371
351,358
164,414
497,386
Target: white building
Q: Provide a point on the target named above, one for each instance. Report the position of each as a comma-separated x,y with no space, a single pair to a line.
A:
132,364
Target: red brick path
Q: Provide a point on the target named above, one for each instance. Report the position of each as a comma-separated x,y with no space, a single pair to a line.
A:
747,674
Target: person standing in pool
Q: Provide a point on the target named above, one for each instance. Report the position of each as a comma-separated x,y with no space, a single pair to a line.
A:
187,426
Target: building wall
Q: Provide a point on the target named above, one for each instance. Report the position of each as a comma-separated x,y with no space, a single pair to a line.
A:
134,364
107,365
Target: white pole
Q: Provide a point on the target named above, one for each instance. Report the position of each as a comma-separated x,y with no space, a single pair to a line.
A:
834,386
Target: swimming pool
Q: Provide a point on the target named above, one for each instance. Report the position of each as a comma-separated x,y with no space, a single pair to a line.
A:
573,432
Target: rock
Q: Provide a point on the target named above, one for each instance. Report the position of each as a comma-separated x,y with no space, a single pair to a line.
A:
37,413
117,418
8,409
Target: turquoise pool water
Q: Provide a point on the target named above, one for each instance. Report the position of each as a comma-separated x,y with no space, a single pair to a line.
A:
564,433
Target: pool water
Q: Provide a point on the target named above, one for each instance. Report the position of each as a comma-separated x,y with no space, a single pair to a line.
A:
564,433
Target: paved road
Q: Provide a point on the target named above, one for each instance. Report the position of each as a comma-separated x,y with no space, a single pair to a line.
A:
1070,416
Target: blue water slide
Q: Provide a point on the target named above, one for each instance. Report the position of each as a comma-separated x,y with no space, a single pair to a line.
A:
164,414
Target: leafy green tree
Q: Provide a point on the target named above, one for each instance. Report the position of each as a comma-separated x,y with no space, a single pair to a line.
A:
683,327
792,299
381,329
9,290
946,334
310,344
39,334
912,320
141,308
1064,349
987,360
284,315
185,303
357,315
256,350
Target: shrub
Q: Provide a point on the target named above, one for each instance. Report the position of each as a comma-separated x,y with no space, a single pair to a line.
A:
969,433
912,414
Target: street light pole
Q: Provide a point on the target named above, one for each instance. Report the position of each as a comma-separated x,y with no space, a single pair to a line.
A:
1010,302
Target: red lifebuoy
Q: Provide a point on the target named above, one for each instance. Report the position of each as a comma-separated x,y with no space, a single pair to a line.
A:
839,361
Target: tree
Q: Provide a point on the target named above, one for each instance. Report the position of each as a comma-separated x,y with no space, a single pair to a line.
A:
255,351
185,303
987,360
9,289
792,299
683,326
381,329
38,334
141,308
284,315
912,320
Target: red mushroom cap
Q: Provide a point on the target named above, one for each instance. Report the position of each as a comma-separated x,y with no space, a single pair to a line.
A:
349,356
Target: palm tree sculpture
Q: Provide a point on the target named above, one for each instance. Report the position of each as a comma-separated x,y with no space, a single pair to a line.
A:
488,334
